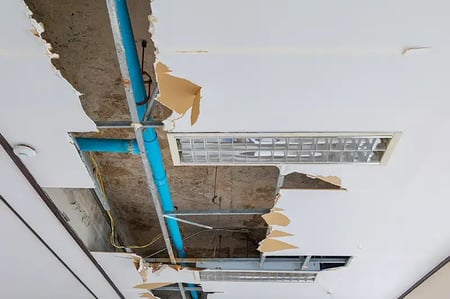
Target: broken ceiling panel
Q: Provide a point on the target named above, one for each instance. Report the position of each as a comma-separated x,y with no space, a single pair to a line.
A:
278,233
178,94
385,91
152,285
25,61
121,268
331,179
296,180
276,218
274,245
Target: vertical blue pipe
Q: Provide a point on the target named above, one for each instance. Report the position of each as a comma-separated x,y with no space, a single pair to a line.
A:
132,59
150,137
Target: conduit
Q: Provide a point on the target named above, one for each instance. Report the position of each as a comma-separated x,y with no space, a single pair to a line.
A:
146,139
119,13
108,145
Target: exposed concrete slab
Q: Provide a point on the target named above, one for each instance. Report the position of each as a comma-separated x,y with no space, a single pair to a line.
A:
81,210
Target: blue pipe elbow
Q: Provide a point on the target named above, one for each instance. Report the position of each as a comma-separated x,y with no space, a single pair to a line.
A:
108,145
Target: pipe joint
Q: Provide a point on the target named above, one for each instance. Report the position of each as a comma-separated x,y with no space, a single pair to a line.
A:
108,145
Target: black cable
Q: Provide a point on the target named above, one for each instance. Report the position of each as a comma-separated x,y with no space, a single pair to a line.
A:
149,81
215,188
143,45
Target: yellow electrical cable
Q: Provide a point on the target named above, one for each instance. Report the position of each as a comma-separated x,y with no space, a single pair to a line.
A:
112,235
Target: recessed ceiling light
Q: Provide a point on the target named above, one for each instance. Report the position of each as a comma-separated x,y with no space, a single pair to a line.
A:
24,151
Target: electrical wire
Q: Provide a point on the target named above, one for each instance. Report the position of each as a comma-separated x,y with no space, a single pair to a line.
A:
111,218
113,243
199,232
215,188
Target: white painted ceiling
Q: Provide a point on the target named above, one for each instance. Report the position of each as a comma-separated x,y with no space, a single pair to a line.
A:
436,286
29,268
316,66
26,275
38,107
281,66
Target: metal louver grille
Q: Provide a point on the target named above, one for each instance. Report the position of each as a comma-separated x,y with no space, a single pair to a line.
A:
258,276
264,149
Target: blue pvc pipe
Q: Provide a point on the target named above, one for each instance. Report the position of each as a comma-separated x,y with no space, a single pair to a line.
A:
159,175
150,137
132,59
108,145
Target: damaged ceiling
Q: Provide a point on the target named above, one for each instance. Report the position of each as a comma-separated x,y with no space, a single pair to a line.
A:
373,67
79,31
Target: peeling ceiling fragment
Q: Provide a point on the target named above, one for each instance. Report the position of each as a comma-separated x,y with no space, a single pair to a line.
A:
329,179
152,285
276,218
278,233
270,245
141,267
177,93
130,270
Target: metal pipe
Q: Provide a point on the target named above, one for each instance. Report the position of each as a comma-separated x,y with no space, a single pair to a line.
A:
148,140
155,196
293,259
107,145
154,155
226,212
188,222
305,263
128,124
182,290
